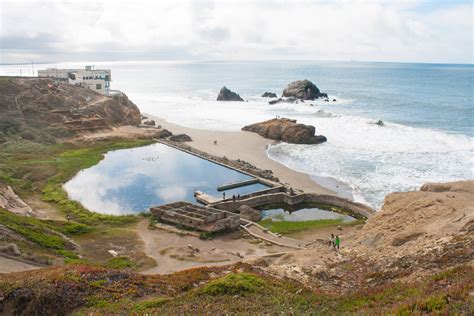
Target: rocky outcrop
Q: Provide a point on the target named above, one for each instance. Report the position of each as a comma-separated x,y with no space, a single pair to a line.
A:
269,95
42,103
150,123
180,138
411,223
12,202
249,213
228,95
285,100
162,134
286,130
304,90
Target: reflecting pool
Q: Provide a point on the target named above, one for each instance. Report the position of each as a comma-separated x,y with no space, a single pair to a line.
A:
131,180
305,213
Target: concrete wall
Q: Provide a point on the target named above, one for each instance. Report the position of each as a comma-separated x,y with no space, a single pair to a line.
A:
261,200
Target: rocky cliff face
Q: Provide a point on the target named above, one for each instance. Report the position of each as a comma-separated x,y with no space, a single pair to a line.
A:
413,223
286,130
304,90
41,103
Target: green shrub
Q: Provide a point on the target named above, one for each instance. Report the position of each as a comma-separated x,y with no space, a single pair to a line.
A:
75,228
433,303
233,284
32,229
150,304
120,263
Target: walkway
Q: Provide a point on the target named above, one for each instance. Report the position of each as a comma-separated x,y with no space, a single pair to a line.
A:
262,233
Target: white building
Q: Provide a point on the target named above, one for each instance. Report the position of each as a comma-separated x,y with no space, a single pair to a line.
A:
94,79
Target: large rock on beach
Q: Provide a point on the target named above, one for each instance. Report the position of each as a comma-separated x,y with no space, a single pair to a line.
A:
180,138
304,90
286,130
228,95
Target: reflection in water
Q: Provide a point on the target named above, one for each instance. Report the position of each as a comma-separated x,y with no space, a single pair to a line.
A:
305,214
131,180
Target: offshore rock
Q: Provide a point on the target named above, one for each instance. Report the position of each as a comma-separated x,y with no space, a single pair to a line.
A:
269,95
228,95
304,90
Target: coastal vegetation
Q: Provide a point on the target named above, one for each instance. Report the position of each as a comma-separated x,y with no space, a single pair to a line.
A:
94,290
288,227
41,169
36,172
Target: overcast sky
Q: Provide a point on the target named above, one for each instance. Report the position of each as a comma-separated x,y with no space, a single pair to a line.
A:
412,31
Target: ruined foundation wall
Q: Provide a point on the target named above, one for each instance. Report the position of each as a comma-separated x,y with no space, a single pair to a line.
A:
257,201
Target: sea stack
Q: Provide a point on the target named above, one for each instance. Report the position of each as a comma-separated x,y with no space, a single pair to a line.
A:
269,95
228,95
303,90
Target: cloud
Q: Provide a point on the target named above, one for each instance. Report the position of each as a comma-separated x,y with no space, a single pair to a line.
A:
311,30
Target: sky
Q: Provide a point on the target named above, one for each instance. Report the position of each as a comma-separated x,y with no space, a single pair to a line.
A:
439,31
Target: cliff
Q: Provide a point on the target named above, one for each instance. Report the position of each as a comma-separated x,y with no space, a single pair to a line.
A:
42,103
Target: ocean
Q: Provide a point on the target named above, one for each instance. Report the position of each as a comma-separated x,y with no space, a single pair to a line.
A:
427,110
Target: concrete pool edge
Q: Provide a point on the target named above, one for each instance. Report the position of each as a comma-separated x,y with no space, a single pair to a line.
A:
211,158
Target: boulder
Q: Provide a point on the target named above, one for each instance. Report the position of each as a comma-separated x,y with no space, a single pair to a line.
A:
286,130
269,95
304,90
150,123
249,213
228,95
162,133
180,138
10,249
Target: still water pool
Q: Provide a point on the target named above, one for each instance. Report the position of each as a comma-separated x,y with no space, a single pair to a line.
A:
132,180
303,213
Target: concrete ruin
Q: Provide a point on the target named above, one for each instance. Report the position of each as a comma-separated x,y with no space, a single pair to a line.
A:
205,219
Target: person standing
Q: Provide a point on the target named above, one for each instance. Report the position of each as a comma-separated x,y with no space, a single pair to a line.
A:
331,241
223,195
337,242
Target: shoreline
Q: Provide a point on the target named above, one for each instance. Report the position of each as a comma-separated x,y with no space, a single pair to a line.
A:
249,147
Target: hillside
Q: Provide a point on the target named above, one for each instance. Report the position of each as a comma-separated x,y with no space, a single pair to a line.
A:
58,109
414,257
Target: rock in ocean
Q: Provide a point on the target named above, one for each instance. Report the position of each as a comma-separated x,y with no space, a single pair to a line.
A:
304,90
228,95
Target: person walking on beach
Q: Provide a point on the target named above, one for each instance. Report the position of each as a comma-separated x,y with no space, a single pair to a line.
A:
233,198
337,242
331,241
223,195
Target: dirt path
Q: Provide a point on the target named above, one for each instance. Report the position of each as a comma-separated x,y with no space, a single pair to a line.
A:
174,252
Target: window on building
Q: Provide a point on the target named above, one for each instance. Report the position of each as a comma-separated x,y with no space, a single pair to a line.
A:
98,86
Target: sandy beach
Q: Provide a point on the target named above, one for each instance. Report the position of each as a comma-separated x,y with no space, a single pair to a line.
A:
246,146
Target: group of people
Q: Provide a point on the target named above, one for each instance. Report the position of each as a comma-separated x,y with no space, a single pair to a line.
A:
234,198
334,241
